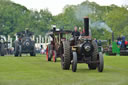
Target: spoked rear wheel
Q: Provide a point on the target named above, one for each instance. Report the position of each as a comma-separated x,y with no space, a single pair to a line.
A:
2,50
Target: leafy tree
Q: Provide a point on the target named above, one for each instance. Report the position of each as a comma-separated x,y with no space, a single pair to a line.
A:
15,18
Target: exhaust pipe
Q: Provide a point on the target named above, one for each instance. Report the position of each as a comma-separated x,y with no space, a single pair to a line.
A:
86,26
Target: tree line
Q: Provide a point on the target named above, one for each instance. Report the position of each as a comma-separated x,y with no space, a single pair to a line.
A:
103,19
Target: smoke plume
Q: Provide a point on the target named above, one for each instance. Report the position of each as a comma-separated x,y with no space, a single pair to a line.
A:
100,25
86,10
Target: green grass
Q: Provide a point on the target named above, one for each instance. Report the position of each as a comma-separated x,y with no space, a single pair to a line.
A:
37,71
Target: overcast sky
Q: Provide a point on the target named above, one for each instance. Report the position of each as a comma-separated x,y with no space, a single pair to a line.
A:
56,6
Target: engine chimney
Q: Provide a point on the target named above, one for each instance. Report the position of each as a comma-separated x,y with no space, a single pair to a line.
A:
86,26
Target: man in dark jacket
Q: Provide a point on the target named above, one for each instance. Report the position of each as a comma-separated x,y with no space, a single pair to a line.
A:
75,33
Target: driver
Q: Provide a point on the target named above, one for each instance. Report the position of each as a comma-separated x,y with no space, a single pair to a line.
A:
75,33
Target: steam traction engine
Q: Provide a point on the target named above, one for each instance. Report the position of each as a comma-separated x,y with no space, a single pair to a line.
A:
24,44
3,46
82,50
54,48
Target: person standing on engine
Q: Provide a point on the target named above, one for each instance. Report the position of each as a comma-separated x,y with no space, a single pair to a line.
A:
80,30
83,32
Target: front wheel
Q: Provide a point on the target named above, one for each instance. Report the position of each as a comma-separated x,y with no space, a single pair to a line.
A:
32,54
93,66
20,50
101,62
2,50
16,51
74,62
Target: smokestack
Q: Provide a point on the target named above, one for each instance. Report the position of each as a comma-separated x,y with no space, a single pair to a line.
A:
86,26
112,36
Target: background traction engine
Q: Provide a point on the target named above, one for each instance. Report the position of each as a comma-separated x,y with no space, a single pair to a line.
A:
3,46
24,44
54,48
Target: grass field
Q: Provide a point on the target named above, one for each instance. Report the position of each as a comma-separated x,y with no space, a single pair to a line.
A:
37,71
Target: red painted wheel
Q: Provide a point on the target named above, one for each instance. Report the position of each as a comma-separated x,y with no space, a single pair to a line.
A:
54,56
47,53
